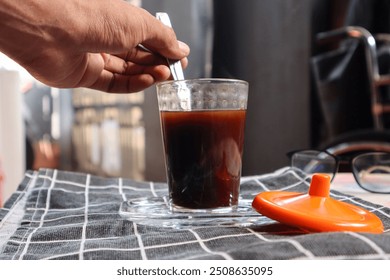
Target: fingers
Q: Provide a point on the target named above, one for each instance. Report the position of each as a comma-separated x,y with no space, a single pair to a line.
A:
140,62
118,63
135,79
114,74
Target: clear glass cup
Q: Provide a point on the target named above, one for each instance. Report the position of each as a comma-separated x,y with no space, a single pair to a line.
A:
202,123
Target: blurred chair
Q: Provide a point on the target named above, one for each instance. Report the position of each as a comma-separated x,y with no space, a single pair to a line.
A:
352,83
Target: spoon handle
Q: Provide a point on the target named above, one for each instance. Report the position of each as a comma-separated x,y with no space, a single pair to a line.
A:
175,66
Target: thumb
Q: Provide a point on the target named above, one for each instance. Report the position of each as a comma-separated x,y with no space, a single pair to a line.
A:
162,39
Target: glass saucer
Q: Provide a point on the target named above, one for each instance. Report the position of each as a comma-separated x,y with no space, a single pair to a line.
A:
155,211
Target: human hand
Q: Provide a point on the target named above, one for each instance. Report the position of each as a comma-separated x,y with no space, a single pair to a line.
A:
94,44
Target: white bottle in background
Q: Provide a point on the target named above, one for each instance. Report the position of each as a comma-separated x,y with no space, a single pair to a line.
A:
12,131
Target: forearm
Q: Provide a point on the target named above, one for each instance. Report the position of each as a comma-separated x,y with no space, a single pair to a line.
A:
32,25
15,30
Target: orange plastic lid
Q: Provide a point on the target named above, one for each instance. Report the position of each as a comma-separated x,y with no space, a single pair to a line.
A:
316,211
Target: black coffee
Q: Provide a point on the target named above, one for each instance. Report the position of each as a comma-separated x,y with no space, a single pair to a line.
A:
203,152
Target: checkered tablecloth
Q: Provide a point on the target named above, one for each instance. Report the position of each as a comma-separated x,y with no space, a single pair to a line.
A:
65,215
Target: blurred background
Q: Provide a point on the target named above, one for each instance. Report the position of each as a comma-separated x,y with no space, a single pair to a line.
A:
272,44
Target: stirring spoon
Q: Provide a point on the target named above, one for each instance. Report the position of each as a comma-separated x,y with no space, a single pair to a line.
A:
175,66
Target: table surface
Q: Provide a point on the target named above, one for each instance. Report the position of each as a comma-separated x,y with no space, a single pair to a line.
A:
64,215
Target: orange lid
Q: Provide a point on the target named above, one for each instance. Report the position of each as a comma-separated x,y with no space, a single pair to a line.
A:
316,211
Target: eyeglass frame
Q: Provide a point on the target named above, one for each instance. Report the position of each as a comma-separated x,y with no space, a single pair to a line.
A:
339,159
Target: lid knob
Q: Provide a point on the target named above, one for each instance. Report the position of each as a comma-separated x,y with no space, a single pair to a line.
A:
320,185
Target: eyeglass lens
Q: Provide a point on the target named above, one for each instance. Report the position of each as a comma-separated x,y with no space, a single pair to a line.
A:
311,161
372,171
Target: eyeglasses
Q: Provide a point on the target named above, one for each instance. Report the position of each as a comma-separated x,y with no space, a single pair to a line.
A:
371,170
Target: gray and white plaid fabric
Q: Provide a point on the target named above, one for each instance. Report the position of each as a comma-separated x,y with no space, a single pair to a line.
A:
65,215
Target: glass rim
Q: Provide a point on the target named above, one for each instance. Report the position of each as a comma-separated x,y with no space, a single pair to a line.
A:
204,81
